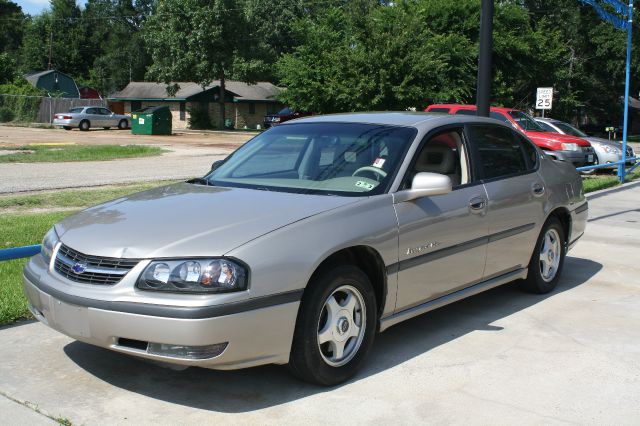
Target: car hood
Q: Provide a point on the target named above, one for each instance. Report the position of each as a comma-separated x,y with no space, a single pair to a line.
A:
604,142
556,138
187,220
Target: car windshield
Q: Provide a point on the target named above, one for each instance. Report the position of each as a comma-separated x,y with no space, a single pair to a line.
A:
526,121
76,109
569,129
285,111
348,159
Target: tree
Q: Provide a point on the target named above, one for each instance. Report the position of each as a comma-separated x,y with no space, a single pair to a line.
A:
202,41
12,20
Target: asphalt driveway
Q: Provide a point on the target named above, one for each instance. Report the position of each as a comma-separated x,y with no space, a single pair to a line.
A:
502,357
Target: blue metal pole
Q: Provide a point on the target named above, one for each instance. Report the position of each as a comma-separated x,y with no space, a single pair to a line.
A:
621,171
19,252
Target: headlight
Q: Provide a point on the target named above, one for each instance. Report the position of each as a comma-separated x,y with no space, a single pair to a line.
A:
194,276
48,243
570,147
611,150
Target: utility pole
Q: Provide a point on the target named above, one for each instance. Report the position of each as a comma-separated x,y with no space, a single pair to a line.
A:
483,91
50,46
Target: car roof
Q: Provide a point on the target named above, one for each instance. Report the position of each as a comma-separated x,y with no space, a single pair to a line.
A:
408,118
472,107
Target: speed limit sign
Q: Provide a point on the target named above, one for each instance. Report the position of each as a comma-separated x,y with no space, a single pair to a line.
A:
544,98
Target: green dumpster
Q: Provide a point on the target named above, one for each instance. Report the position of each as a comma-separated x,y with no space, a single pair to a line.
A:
152,120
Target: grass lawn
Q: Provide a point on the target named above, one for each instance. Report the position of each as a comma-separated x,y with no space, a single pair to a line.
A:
67,199
18,227
598,182
64,153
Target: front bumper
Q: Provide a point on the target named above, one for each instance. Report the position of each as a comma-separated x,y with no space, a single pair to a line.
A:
577,158
259,334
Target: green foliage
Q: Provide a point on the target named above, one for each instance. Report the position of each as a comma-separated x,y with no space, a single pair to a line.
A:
21,99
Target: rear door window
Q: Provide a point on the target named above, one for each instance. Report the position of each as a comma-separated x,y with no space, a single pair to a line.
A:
499,152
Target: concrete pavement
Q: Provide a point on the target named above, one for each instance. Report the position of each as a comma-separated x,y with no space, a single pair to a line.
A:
502,357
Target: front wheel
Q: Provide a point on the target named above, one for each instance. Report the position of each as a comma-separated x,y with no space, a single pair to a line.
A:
85,125
335,327
122,125
547,259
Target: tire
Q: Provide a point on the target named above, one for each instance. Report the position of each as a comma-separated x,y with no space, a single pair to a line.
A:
66,127
318,363
592,171
123,125
107,128
547,260
84,125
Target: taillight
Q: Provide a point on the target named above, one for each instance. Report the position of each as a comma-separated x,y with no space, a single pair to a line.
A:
64,117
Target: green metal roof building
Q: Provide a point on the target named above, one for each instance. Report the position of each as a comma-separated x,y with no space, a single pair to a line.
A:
54,83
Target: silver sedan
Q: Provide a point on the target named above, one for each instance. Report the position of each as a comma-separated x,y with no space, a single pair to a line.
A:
85,118
606,151
310,239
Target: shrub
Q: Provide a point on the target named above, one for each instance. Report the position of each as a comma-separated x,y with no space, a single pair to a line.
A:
199,118
6,115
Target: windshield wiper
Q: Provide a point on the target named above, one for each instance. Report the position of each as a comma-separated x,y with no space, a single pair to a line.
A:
200,181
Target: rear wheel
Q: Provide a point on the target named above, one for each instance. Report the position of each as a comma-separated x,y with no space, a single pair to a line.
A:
122,125
66,127
84,125
547,259
335,327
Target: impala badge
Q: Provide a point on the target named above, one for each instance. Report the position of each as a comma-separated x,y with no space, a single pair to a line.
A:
419,249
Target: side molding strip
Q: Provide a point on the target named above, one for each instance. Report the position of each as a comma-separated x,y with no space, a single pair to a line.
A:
398,317
448,251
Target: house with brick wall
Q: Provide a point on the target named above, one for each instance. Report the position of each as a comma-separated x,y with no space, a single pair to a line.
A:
245,104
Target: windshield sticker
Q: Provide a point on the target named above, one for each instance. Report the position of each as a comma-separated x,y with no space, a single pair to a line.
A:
379,162
365,185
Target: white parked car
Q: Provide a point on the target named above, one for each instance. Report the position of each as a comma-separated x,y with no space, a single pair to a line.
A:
87,117
606,151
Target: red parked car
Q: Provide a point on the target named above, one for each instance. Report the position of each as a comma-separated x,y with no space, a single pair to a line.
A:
564,147
285,114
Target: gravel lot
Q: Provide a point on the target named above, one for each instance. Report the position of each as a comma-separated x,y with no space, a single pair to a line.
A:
191,154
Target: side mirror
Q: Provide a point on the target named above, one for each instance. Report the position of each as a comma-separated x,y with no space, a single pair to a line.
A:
216,164
424,185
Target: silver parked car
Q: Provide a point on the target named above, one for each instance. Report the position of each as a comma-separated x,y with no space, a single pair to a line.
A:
606,151
310,239
85,118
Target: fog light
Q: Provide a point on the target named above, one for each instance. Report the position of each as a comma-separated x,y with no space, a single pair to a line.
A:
187,352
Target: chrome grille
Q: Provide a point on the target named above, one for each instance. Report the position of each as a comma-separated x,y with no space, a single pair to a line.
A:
96,270
587,149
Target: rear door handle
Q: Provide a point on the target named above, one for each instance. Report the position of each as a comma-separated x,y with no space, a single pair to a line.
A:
538,189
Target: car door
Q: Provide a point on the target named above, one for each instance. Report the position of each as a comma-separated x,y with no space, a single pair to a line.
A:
508,165
94,117
442,239
107,118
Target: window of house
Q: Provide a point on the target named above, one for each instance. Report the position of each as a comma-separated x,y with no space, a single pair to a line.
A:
183,111
252,108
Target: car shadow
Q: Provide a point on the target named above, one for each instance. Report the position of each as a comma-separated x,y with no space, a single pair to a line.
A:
260,387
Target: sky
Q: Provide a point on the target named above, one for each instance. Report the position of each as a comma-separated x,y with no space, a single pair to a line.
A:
33,7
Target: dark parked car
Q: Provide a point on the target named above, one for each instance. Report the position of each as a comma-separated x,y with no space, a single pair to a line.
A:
285,114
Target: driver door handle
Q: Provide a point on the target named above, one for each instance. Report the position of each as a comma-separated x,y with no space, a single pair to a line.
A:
477,204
